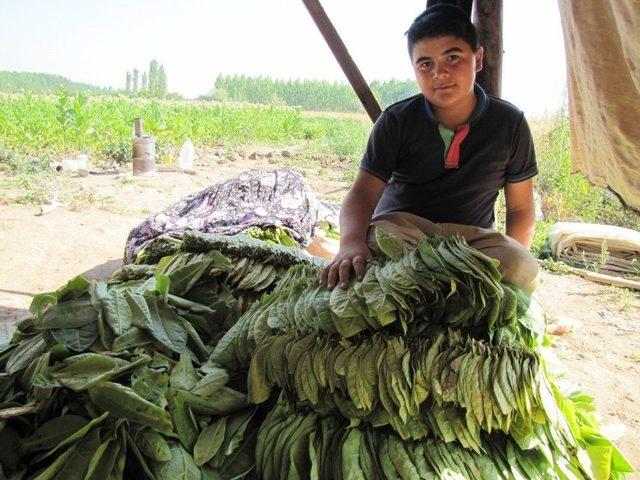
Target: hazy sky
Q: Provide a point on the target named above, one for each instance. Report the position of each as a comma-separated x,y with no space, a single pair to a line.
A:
98,41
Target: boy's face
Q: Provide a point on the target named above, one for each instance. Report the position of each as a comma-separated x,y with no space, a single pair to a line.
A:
445,69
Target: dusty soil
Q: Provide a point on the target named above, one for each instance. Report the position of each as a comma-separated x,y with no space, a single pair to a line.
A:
601,349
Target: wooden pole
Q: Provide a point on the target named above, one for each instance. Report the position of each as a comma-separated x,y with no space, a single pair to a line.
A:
488,21
341,53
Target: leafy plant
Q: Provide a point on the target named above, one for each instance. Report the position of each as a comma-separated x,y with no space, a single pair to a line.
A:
118,150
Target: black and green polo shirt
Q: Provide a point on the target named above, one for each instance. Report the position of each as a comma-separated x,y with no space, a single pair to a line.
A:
411,151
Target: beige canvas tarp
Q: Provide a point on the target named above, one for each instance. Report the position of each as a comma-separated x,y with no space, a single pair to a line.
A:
602,41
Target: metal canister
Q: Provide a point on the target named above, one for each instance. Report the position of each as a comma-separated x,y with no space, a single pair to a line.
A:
144,155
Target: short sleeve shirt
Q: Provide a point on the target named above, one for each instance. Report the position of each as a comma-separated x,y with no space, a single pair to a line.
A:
406,150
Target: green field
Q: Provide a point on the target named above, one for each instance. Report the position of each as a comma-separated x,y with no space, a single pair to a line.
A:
103,126
37,128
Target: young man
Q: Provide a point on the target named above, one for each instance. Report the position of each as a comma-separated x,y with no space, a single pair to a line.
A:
435,162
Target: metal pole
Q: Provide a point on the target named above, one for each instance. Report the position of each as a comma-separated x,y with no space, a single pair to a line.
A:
341,53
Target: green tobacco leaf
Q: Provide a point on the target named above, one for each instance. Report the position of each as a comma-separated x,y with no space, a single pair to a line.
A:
76,467
183,419
79,338
151,385
123,402
166,327
234,435
82,371
56,466
141,317
77,435
182,279
134,337
117,312
163,284
180,467
390,245
209,441
351,469
74,288
104,460
142,461
215,379
154,446
241,462
25,353
70,314
51,433
42,301
183,375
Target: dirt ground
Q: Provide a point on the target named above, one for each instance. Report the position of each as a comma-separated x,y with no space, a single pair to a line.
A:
601,350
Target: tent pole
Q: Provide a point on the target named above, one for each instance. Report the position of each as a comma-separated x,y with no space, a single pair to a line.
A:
347,64
488,21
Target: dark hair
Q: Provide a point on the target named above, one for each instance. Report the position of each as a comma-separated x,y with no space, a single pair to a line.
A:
441,20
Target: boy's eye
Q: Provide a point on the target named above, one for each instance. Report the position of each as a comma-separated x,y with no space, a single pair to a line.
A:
452,58
425,65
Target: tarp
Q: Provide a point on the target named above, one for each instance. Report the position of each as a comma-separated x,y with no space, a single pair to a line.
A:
281,198
602,42
608,248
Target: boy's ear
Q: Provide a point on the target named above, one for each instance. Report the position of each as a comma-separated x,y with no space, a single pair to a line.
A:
479,54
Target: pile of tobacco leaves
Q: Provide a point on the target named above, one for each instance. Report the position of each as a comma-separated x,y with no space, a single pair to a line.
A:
224,358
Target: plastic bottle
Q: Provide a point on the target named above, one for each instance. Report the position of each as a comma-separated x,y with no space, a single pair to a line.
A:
187,153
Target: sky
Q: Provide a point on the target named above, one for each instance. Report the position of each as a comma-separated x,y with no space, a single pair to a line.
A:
97,42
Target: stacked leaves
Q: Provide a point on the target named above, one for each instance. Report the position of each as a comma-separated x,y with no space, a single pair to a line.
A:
113,379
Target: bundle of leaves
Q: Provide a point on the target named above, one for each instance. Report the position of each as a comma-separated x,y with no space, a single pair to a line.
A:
226,359
113,379
168,244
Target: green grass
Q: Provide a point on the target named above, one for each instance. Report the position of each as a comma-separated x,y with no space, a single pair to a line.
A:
568,196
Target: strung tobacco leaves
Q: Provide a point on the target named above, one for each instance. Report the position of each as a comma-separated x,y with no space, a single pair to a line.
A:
386,380
440,284
291,442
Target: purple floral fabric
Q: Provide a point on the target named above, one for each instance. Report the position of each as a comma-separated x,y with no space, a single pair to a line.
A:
281,198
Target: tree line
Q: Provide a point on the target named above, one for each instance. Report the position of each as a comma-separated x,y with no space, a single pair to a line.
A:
14,82
149,84
320,95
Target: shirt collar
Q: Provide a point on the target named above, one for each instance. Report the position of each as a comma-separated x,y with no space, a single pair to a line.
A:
482,100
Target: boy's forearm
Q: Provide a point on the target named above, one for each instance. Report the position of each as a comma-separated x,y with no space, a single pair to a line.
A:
520,226
355,217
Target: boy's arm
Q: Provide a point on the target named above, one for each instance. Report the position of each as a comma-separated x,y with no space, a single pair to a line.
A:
355,217
520,211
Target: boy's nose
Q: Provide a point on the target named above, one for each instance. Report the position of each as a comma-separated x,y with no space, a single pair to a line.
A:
440,74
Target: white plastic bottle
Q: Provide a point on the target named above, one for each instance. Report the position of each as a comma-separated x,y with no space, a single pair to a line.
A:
187,154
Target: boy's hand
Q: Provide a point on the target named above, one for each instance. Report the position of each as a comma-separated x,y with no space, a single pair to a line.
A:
351,257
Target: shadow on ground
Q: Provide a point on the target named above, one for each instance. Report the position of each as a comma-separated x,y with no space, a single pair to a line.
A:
104,271
9,315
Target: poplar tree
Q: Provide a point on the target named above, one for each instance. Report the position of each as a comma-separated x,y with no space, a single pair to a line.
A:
162,82
153,78
136,73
